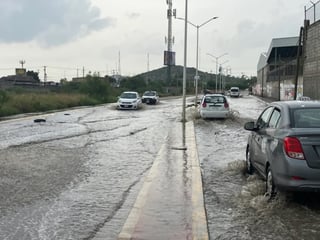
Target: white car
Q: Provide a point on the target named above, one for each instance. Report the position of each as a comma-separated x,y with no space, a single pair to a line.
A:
214,106
129,100
150,97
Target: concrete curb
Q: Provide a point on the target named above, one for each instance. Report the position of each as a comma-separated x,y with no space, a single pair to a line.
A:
132,220
199,220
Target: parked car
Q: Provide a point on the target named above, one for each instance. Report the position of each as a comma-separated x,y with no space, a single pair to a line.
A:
129,100
284,146
150,97
303,98
234,92
214,106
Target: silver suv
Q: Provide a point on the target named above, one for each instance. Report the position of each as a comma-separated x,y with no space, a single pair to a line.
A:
150,97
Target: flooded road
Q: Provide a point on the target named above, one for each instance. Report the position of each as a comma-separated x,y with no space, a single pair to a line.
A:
235,202
77,175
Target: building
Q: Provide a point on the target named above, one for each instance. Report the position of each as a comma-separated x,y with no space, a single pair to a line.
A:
20,79
281,74
311,67
277,73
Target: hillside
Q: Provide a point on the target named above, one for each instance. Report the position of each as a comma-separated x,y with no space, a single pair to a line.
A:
207,80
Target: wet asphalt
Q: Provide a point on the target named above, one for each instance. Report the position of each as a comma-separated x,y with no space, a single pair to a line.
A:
98,173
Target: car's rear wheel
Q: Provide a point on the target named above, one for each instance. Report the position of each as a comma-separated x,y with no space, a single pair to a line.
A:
249,166
271,190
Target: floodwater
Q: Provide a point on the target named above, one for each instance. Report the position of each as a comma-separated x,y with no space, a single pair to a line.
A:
235,202
77,175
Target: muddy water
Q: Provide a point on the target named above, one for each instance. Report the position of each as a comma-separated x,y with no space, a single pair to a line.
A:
77,175
235,202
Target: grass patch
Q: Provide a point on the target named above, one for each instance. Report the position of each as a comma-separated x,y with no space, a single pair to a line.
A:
18,103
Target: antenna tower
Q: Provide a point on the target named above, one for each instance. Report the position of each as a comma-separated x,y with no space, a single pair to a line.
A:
169,59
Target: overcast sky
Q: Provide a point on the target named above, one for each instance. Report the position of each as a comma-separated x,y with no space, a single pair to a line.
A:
108,35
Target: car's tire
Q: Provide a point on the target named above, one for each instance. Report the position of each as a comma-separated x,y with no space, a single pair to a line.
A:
249,167
271,190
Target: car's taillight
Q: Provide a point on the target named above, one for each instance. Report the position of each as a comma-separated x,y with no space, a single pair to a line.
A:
226,105
204,104
293,148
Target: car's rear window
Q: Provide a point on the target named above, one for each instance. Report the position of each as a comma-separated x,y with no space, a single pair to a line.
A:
149,94
306,118
214,99
128,95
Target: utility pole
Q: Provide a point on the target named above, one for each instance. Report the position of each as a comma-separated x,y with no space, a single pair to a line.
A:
169,55
44,74
148,62
119,65
185,67
298,64
22,62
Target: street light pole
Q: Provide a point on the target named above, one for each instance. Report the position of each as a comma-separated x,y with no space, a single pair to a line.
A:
217,63
196,78
221,72
185,67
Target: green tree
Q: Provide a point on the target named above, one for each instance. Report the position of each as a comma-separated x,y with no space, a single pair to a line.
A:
134,84
96,87
34,75
3,97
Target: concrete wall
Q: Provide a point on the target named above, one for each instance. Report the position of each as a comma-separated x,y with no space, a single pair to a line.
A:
261,88
311,71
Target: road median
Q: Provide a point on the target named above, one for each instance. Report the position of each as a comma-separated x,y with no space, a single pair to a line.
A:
170,203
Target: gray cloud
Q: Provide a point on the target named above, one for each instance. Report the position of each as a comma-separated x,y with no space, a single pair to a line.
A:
133,15
251,35
48,22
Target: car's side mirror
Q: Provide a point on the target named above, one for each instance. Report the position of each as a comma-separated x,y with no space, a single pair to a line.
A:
250,126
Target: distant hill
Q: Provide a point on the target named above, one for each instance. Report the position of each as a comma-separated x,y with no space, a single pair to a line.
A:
207,80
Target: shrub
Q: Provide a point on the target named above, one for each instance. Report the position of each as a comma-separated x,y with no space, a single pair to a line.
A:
40,102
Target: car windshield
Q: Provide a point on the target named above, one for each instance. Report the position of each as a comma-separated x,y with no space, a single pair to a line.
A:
214,99
149,94
306,118
128,95
234,90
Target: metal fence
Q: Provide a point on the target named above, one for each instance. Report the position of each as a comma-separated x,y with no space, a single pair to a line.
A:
312,13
